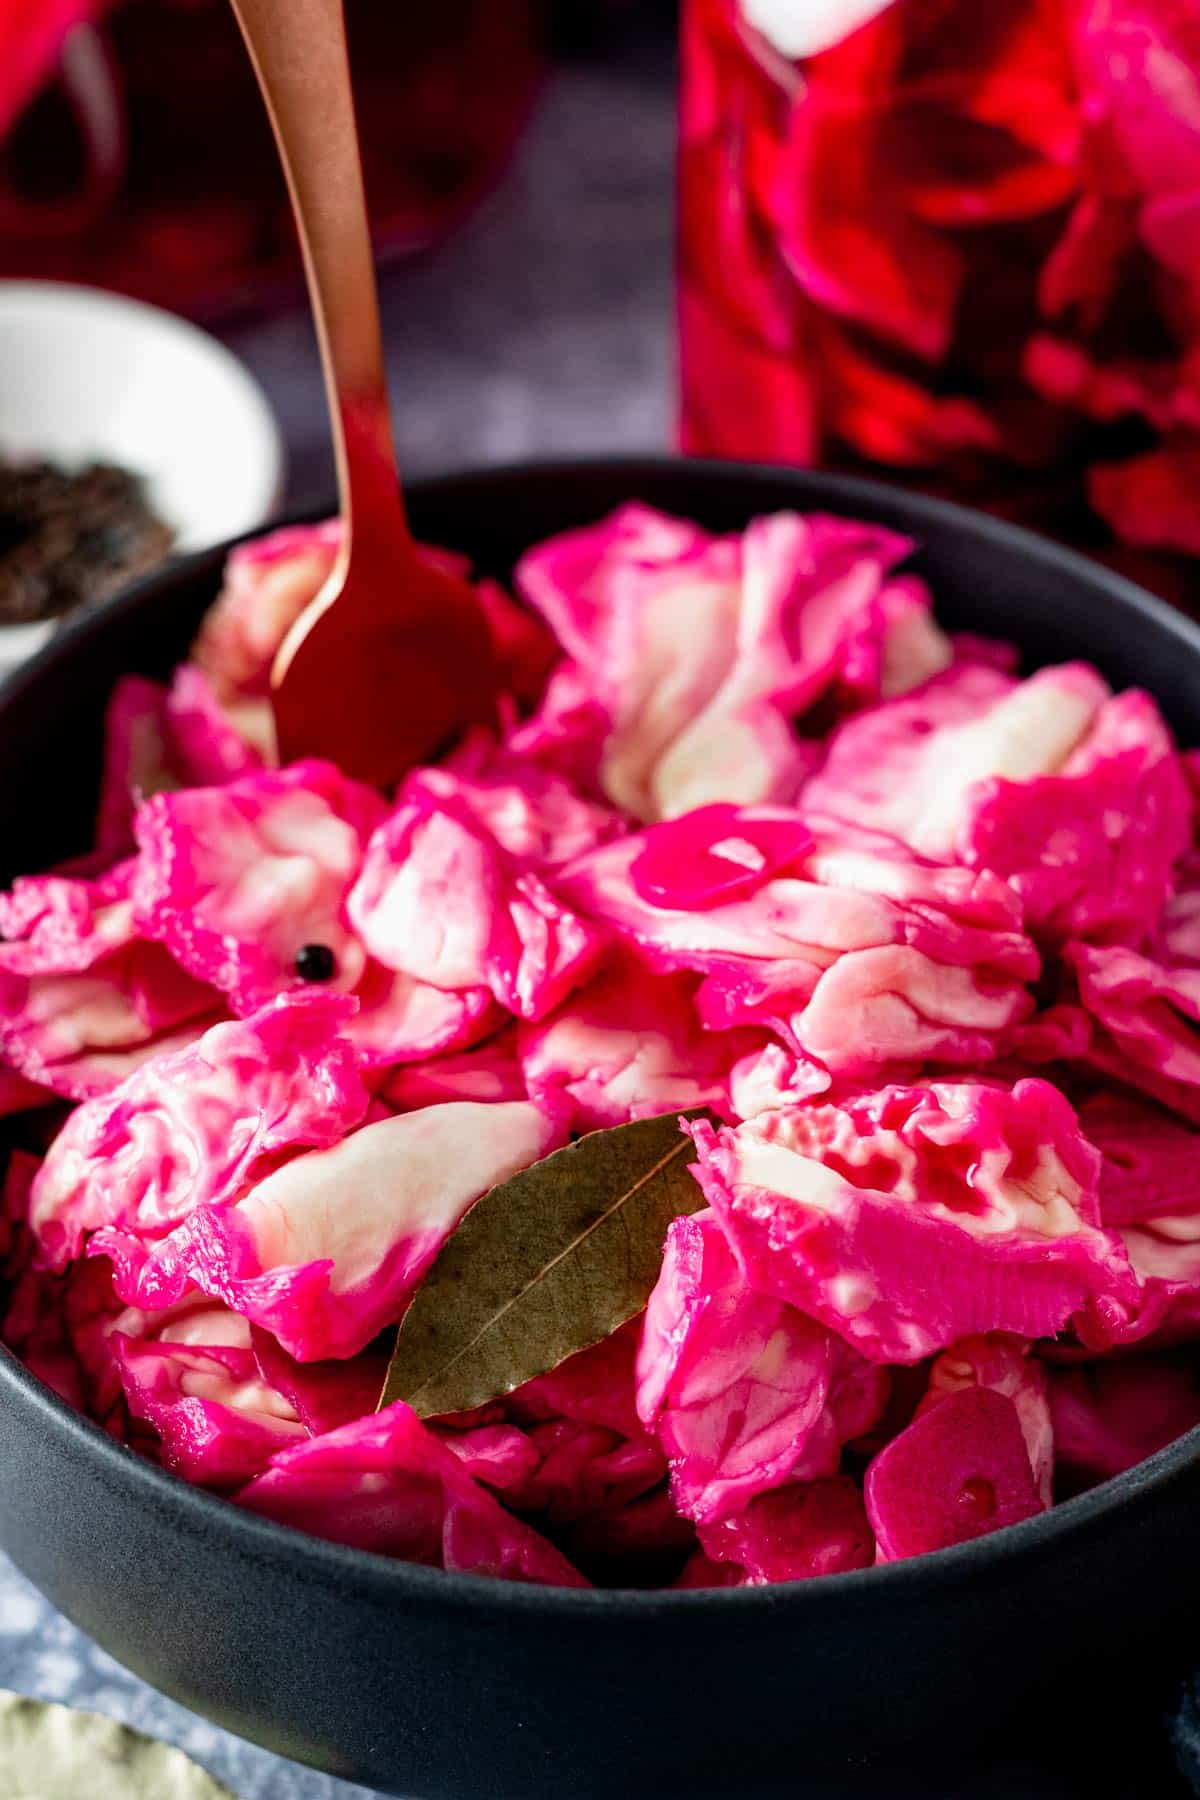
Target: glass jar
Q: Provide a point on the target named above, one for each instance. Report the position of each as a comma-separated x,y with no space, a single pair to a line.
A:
958,243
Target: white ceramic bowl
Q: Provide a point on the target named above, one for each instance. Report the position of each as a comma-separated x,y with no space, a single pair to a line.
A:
87,376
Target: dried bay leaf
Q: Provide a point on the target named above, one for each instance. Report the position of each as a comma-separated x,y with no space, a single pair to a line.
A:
543,1265
55,1753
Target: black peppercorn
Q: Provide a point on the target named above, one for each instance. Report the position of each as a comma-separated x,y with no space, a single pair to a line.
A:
316,962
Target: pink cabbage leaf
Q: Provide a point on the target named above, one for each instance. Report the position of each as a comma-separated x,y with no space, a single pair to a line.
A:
491,1071
699,651
324,1251
859,957
237,881
456,890
192,1375
385,1483
911,1217
734,1383
83,996
194,1127
1146,1002
912,766
630,1045
1090,848
1150,1198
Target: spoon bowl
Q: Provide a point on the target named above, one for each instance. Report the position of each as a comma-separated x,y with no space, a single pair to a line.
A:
407,643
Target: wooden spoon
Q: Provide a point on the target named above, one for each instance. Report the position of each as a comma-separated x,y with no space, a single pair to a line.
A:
393,659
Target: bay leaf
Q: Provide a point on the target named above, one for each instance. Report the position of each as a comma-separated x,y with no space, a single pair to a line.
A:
545,1264
55,1753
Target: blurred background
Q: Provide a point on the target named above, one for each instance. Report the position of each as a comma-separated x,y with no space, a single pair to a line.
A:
956,242
519,166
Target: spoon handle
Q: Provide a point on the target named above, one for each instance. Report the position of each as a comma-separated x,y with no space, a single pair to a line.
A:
299,52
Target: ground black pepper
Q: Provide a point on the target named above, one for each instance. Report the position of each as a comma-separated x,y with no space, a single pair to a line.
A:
67,538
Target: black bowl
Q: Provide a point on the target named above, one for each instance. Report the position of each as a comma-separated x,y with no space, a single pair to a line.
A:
432,1685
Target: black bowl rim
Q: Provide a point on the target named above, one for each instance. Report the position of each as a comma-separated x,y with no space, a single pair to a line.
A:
390,1580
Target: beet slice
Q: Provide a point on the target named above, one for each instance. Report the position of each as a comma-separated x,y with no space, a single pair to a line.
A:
957,1472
